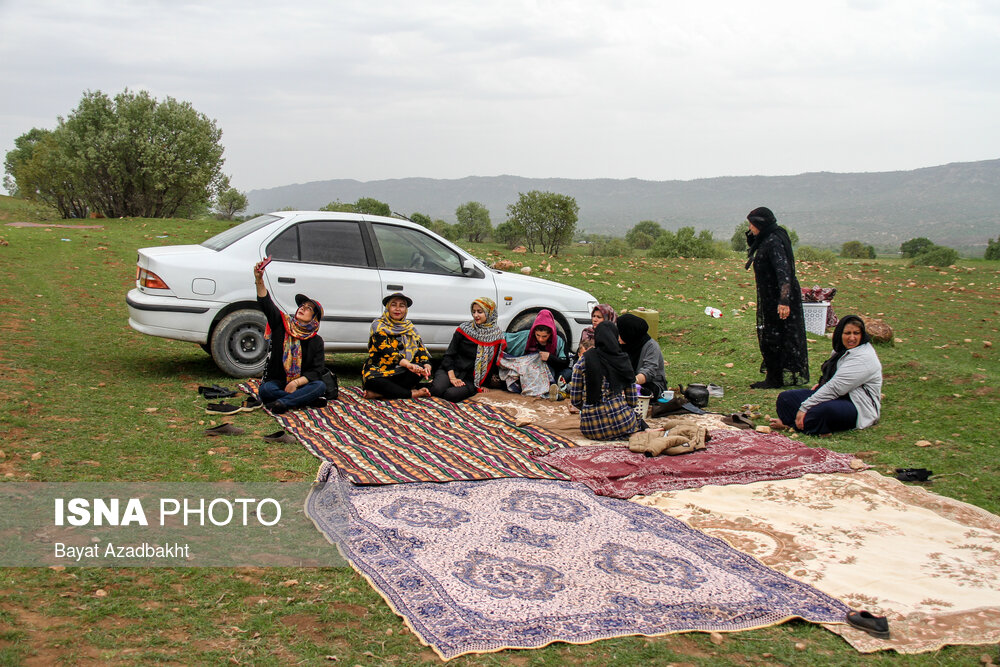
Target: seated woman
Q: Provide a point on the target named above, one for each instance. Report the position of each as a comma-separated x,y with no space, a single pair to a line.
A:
602,388
295,358
397,359
849,392
644,353
472,354
534,358
602,313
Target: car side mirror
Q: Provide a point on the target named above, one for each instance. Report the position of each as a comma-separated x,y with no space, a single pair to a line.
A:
470,269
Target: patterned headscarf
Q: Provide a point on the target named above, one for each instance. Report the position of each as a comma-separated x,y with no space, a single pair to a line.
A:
402,330
295,333
487,336
609,316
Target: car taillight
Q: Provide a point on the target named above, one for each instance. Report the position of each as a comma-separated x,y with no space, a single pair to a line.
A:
149,279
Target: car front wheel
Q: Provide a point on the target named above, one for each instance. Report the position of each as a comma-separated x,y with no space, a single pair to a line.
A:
238,345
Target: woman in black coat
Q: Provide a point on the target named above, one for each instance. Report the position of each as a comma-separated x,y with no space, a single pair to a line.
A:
781,327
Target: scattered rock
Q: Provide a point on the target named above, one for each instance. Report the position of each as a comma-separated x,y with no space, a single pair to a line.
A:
100,593
520,249
923,443
857,464
522,421
526,270
715,638
878,330
290,582
799,646
763,429
987,343
503,265
36,456
729,365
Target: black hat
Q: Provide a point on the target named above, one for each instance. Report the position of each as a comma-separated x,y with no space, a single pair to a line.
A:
397,295
302,298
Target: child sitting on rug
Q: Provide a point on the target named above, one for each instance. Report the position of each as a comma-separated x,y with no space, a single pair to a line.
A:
294,352
535,358
397,359
470,362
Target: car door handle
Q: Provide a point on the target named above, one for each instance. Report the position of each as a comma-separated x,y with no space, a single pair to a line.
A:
283,279
394,288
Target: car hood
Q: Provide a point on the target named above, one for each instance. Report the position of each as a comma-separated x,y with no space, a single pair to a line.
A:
523,282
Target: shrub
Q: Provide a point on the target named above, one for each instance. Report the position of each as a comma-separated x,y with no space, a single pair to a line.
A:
808,253
992,249
937,256
685,244
857,250
917,246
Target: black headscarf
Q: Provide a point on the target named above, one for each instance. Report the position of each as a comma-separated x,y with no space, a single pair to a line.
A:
765,222
635,332
606,361
829,366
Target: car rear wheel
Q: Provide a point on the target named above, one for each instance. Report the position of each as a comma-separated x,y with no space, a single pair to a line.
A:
525,320
238,345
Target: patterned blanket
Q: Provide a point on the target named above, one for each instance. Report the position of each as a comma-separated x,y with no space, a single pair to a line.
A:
930,564
517,563
731,457
422,440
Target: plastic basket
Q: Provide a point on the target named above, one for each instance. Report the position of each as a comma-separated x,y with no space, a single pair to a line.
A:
642,406
815,316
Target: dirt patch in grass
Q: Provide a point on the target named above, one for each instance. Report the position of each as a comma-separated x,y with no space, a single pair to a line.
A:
308,626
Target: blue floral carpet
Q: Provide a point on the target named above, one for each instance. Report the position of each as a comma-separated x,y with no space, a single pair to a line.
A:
481,566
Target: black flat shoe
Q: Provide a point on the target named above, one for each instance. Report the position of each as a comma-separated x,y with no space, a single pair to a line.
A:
913,474
876,626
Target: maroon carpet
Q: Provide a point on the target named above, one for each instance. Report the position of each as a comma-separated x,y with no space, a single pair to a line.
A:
731,457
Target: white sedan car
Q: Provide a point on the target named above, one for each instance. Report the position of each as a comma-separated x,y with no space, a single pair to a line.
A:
205,293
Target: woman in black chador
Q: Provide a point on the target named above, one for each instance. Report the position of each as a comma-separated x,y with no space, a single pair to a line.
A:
781,328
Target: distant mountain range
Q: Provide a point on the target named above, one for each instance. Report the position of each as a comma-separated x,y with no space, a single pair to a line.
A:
957,204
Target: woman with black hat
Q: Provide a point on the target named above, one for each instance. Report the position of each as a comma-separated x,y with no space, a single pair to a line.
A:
397,359
602,387
849,392
781,327
295,357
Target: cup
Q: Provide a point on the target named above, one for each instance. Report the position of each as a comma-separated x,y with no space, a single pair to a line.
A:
667,396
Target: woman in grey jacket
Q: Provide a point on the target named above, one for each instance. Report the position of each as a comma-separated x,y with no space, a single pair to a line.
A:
849,391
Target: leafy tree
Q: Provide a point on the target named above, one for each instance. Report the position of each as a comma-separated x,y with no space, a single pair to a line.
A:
474,221
509,233
337,206
643,234
610,248
37,169
738,241
857,250
422,219
369,206
992,249
936,256
917,246
136,156
684,244
229,201
548,219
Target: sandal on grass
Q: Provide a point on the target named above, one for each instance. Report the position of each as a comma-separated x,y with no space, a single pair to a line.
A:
279,436
876,626
224,429
913,474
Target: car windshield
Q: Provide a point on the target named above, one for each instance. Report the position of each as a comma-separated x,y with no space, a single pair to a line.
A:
234,234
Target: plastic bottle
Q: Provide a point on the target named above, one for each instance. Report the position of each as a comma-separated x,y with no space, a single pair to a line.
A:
713,312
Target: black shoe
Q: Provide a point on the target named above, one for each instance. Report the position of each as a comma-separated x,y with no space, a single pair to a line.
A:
764,384
276,408
319,402
222,409
216,391
251,404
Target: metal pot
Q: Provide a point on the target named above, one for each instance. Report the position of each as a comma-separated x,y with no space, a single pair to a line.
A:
697,394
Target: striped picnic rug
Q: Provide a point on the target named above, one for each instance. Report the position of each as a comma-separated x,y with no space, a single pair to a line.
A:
421,440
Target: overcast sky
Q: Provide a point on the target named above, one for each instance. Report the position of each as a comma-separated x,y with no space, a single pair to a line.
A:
656,89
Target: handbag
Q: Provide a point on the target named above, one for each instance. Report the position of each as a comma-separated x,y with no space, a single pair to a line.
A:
329,378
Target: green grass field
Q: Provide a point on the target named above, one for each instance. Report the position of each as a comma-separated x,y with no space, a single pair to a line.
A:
85,398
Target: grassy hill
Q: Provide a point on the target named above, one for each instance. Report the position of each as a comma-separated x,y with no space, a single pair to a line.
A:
87,398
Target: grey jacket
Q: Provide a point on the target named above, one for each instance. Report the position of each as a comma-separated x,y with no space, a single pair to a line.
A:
651,363
859,377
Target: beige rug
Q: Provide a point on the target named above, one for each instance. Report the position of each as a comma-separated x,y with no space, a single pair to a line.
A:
929,563
555,415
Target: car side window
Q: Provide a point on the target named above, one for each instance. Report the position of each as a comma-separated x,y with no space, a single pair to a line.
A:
406,249
337,242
